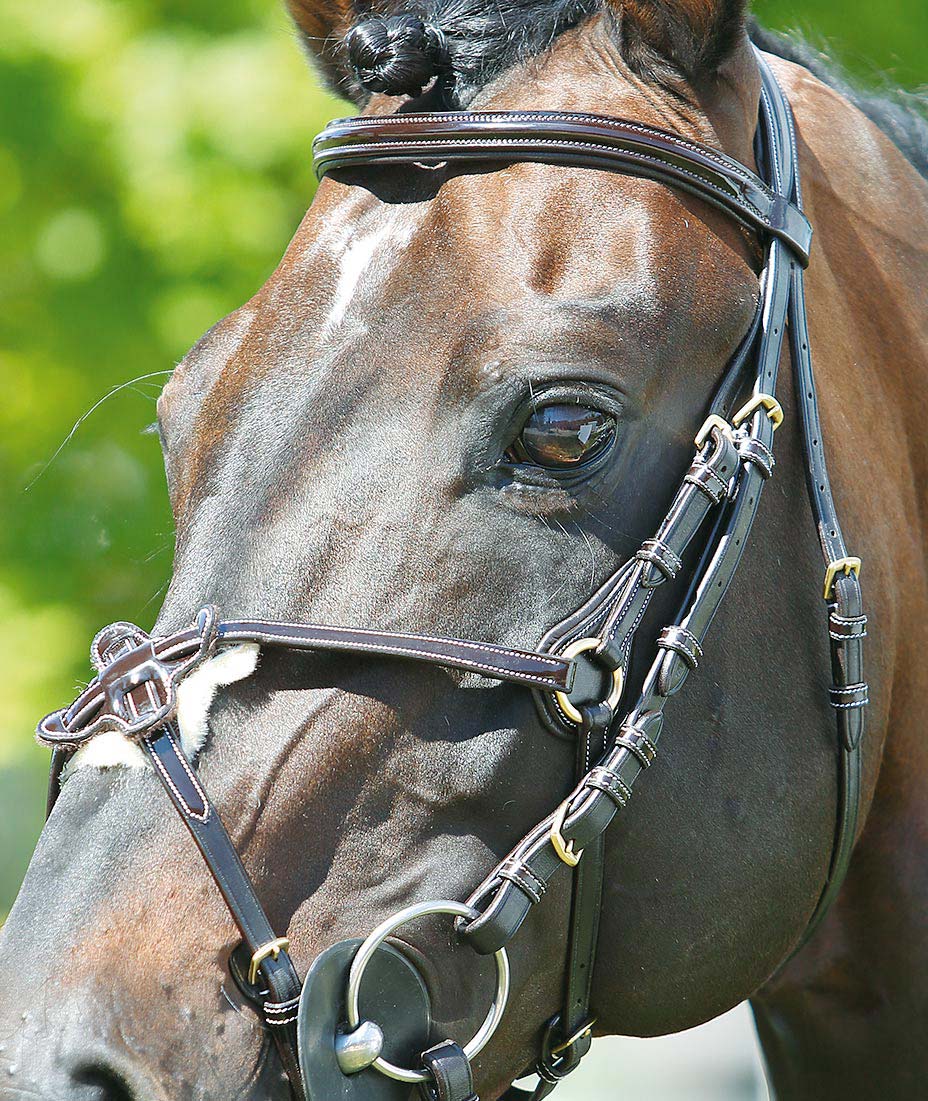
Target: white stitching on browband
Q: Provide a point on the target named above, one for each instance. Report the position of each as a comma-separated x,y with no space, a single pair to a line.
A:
566,143
410,652
714,155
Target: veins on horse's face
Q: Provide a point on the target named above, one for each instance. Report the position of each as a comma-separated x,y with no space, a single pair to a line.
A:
337,448
384,313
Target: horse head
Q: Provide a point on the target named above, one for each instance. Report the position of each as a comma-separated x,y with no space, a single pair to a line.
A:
464,398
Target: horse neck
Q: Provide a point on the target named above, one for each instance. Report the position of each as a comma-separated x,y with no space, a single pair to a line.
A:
833,1022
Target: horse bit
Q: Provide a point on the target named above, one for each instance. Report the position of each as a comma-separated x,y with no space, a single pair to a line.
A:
578,671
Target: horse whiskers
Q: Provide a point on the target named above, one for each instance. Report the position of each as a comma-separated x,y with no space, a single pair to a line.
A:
128,385
237,1008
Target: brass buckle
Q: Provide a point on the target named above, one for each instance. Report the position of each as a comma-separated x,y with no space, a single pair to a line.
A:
271,950
760,401
584,1030
840,565
712,421
563,847
583,646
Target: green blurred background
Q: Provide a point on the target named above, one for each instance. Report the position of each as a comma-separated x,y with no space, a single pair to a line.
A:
154,161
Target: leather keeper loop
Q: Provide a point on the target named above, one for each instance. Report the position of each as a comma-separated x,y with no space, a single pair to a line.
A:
658,554
682,642
277,1014
559,1060
451,1075
846,698
841,628
704,478
752,450
638,745
522,877
608,782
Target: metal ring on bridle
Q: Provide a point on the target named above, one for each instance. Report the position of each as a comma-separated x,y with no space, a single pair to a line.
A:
583,646
373,942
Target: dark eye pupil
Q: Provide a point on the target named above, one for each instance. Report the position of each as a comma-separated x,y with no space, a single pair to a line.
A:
563,435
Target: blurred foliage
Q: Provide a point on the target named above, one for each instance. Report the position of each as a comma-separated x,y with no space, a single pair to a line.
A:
154,160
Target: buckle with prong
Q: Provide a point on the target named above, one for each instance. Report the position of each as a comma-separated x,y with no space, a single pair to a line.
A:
840,565
712,421
760,401
271,950
584,1030
564,848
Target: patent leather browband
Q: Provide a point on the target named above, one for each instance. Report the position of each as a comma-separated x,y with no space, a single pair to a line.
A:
556,137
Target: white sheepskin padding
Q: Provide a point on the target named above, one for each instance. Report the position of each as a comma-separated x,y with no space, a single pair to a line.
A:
195,693
107,750
195,696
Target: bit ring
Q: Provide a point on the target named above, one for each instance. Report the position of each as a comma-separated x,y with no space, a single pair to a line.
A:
583,646
363,956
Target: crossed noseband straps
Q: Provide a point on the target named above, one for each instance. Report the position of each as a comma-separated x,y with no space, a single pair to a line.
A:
579,673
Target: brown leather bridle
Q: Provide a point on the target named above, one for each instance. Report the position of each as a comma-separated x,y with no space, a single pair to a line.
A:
579,670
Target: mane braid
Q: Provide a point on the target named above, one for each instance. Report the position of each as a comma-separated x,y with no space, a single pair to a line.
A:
482,41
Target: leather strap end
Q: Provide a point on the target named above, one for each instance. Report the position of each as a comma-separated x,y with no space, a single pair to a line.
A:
451,1076
755,451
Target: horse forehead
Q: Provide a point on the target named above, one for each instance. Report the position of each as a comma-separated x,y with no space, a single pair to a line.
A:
363,231
489,237
375,293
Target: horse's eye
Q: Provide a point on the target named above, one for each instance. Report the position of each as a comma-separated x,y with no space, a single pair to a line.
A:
563,435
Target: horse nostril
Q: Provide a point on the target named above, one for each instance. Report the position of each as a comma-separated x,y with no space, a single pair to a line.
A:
101,1083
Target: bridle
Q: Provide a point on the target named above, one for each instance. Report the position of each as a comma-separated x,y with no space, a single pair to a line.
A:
578,673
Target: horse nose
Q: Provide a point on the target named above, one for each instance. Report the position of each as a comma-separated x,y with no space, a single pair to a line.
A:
87,1077
98,1081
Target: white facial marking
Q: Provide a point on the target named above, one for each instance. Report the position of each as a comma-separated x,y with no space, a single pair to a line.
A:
195,695
363,254
107,750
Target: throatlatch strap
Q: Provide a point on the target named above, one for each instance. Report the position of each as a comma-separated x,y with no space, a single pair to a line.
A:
847,623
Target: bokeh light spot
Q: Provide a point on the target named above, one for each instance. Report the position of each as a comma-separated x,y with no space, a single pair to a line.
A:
71,245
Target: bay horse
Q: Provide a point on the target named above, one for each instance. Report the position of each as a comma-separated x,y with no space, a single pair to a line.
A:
456,406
